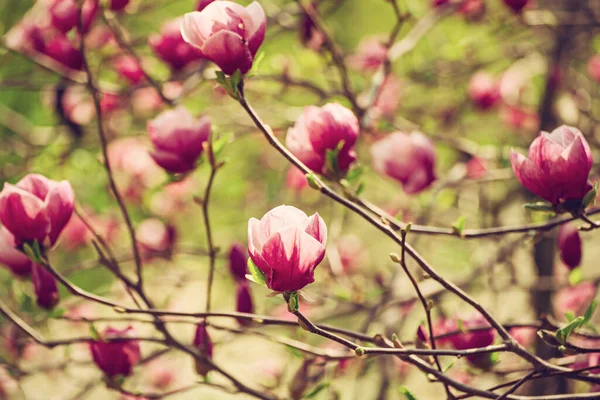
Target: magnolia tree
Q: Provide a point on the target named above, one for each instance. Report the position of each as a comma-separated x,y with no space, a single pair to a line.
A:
221,200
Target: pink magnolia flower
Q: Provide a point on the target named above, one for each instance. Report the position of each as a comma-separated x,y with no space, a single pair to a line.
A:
523,335
574,299
320,129
204,345
155,238
238,258
18,263
118,357
387,100
287,245
472,9
309,36
170,47
476,168
569,245
129,68
557,167
227,33
178,139
76,234
45,287
484,90
36,208
409,159
516,5
64,15
244,302
111,102
58,46
593,67
202,4
475,339
520,118
370,55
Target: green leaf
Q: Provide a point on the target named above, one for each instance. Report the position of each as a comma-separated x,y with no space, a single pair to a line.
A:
590,197
539,206
354,174
219,144
563,334
33,251
575,276
293,302
257,275
590,311
407,393
312,181
361,188
459,225
331,160
569,316
94,332
315,391
56,313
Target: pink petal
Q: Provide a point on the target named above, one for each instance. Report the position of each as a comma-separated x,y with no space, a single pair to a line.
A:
59,205
316,228
35,184
191,28
229,51
256,27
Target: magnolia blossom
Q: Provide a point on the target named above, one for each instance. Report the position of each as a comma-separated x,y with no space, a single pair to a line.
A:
129,68
370,55
18,263
227,33
569,245
484,91
471,339
45,287
409,159
170,47
593,67
238,262
295,179
574,299
243,302
557,166
178,139
154,238
287,245
203,343
119,357
321,129
36,208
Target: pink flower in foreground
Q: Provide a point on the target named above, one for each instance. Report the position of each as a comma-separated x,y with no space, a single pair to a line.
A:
409,159
18,263
370,55
593,67
227,33
484,90
569,245
36,208
119,357
557,166
202,4
287,245
45,287
319,129
178,139
170,47
516,5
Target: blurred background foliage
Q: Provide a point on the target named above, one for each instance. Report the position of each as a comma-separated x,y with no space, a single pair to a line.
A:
433,97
